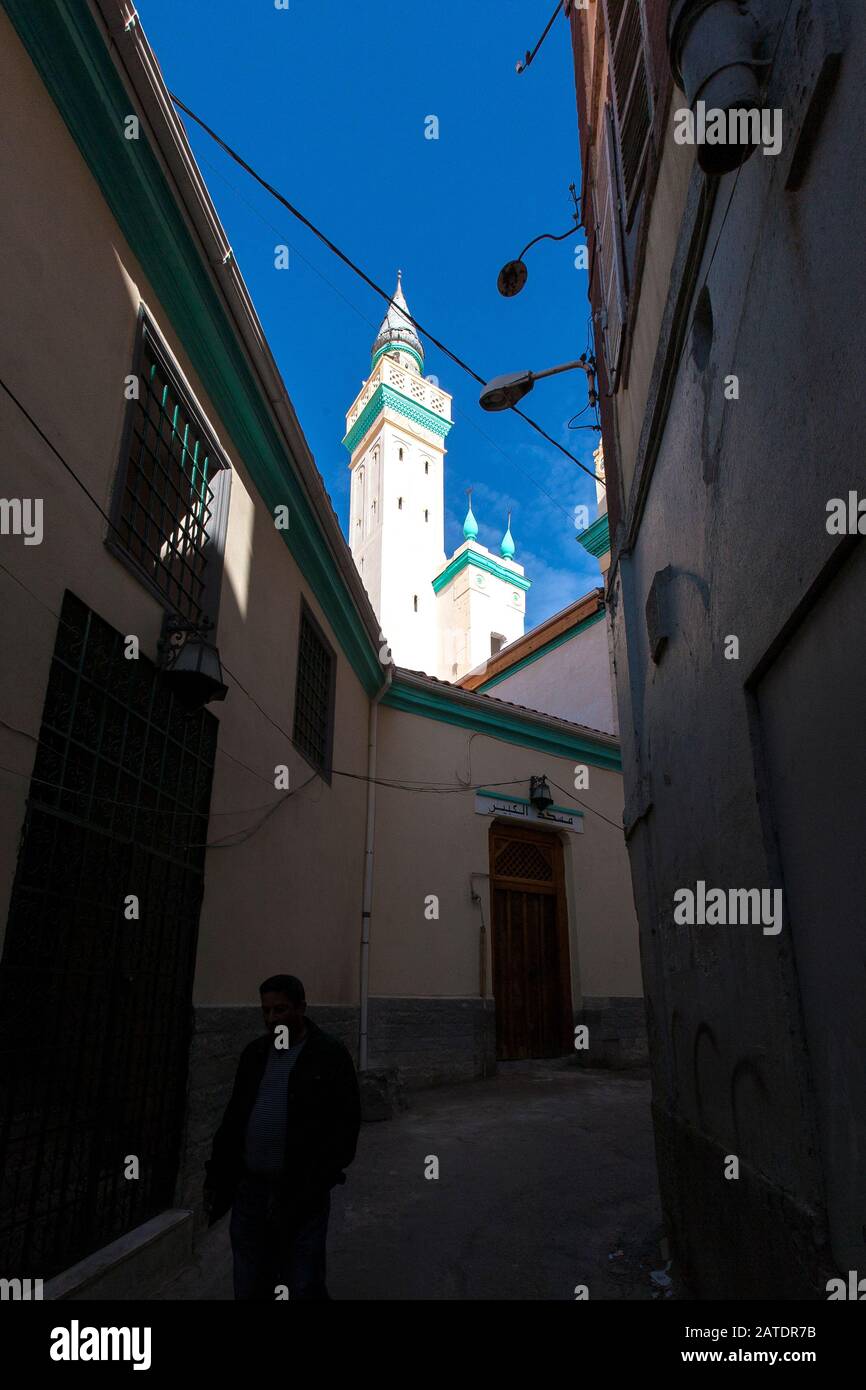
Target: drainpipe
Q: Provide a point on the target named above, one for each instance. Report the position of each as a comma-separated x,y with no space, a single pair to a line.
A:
712,47
478,902
482,941
367,901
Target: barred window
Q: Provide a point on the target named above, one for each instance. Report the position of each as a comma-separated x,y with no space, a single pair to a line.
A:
171,497
314,694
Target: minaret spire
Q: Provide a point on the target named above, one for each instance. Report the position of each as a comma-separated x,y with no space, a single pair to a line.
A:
470,525
397,329
507,547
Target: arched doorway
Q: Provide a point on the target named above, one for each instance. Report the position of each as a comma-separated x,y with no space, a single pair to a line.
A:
529,943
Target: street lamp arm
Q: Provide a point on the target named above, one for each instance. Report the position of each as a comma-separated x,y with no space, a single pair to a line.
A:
549,236
503,392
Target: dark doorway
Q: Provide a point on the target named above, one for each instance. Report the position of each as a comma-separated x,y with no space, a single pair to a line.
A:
95,1003
531,972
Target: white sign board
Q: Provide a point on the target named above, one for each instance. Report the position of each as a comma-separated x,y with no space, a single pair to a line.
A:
517,809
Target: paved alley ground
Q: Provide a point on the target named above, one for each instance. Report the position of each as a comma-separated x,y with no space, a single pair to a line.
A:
546,1181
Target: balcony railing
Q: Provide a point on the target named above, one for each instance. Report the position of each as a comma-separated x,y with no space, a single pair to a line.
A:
387,372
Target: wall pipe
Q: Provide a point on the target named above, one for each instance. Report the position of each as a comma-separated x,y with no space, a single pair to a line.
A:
482,958
712,48
367,898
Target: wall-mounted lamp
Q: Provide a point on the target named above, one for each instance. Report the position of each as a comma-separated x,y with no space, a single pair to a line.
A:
505,391
523,63
539,793
512,276
190,663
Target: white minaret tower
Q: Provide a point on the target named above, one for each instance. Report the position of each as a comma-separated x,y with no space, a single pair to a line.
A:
395,434
481,599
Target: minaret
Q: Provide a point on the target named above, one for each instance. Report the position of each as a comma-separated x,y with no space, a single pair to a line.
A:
482,601
395,434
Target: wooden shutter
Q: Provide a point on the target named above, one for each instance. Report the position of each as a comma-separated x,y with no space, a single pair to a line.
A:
608,233
630,87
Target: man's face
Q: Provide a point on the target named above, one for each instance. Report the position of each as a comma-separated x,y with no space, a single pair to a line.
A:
278,1009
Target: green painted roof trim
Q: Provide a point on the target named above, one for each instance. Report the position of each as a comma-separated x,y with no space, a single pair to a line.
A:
398,347
69,53
541,651
524,801
596,538
482,562
503,723
386,396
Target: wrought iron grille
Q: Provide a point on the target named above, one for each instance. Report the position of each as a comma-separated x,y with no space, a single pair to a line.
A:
166,507
522,859
313,694
95,1004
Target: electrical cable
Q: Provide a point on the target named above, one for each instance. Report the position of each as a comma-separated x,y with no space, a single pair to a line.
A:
393,784
586,807
238,159
461,414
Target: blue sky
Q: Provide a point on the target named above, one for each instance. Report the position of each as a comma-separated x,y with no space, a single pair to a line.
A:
329,101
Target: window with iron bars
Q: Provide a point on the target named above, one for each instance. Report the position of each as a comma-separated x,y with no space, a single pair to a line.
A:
313,730
171,497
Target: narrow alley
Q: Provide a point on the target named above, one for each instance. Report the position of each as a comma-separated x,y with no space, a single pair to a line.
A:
546,1181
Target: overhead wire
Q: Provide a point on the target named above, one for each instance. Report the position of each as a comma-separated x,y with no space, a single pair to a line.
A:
462,414
347,260
395,784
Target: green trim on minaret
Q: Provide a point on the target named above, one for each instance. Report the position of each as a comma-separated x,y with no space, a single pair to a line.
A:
470,525
385,397
482,562
596,538
507,547
398,347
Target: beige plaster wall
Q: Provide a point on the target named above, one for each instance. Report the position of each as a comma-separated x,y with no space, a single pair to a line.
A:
289,898
429,843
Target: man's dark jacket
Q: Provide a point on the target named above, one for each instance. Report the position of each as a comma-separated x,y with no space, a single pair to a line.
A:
323,1121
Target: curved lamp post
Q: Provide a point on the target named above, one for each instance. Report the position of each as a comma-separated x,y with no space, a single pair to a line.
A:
505,391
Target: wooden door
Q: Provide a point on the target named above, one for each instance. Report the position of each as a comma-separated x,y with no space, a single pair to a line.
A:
531,972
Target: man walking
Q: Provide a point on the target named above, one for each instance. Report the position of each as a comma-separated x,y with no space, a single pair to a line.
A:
290,1128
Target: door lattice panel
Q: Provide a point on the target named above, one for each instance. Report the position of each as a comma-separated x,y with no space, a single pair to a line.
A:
521,859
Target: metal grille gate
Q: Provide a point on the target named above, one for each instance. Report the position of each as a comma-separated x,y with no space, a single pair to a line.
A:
95,1012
